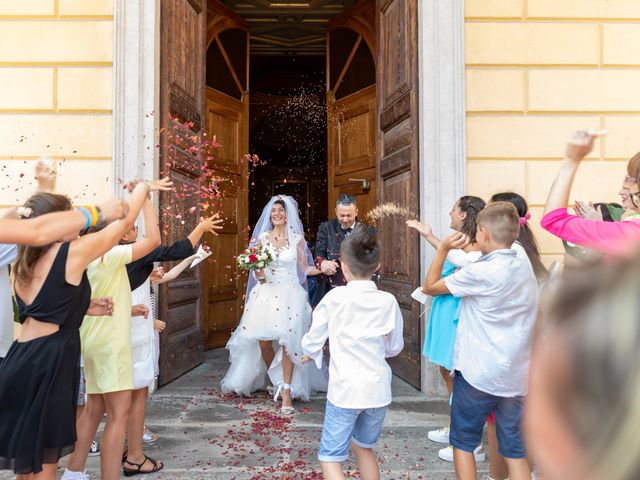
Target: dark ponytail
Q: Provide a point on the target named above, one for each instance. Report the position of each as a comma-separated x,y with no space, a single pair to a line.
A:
526,238
472,206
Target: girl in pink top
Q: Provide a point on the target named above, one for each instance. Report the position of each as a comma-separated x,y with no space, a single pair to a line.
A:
610,237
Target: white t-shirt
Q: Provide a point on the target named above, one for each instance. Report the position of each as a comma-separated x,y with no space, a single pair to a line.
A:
8,255
364,326
497,315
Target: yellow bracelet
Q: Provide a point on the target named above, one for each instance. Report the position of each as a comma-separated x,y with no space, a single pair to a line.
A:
94,214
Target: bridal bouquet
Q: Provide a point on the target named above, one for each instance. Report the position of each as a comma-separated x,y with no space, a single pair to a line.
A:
255,258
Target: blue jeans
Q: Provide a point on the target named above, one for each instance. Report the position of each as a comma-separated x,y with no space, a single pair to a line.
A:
345,425
469,411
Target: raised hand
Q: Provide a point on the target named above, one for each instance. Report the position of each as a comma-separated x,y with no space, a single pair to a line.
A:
45,175
101,307
588,211
114,209
164,184
423,228
580,144
157,274
211,224
455,241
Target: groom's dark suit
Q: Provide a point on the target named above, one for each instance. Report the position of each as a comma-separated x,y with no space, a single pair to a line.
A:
330,236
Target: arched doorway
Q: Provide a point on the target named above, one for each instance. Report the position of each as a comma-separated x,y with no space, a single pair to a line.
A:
371,89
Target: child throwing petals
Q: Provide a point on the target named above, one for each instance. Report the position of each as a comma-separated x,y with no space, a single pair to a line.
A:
364,326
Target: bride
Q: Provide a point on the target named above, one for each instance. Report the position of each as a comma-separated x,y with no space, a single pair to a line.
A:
277,314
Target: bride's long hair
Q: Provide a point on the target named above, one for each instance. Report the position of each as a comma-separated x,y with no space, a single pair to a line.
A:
295,237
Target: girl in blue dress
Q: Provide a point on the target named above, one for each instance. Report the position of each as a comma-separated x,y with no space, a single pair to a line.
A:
443,318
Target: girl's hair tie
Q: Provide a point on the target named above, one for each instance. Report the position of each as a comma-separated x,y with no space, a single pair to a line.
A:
525,219
24,212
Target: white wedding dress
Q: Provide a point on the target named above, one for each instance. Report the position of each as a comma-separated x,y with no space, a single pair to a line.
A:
277,310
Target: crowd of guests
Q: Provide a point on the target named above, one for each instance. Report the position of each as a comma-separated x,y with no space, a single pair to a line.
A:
87,343
535,355
546,360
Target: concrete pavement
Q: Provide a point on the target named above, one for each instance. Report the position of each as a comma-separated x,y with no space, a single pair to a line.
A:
204,435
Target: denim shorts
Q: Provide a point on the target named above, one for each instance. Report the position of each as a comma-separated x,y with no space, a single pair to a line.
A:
469,411
345,425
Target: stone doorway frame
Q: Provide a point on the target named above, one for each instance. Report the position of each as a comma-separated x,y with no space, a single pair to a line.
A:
442,112
136,72
442,133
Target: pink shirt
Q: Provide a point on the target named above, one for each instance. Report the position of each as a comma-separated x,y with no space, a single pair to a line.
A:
610,237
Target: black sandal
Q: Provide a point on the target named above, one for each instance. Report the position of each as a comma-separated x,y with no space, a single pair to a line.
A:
129,472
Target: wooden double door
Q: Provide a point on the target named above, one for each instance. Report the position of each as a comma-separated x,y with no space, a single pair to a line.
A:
372,99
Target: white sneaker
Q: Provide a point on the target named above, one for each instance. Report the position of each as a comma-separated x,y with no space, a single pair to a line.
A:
440,435
446,454
71,475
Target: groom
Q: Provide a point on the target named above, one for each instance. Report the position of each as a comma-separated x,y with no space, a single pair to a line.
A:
330,236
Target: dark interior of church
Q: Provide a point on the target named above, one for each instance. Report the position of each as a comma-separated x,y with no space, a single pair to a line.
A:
288,107
288,131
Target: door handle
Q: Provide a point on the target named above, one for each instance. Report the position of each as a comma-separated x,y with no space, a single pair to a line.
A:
364,183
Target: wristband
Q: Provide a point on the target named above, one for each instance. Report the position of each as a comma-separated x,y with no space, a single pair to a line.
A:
101,217
87,215
94,214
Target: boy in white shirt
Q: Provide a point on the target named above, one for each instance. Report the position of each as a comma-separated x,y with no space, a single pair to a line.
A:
364,326
493,342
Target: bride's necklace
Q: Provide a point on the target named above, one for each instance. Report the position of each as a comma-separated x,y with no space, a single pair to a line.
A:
278,242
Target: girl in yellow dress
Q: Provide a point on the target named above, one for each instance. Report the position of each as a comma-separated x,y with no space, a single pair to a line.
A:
106,348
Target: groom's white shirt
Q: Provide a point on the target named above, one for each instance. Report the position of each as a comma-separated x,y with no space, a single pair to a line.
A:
364,326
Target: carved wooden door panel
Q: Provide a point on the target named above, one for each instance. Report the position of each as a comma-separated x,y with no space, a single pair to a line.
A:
351,100
181,108
398,173
226,118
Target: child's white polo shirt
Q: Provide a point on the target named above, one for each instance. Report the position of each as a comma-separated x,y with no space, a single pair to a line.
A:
497,315
364,326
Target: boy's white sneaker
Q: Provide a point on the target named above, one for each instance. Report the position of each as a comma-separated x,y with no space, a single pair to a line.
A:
440,435
446,454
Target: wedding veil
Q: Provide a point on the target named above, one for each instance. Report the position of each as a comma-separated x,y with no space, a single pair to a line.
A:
295,237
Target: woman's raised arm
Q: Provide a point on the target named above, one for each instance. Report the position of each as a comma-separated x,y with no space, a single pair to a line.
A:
51,227
94,245
579,146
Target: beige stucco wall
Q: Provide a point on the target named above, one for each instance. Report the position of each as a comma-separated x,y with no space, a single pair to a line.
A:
535,71
56,84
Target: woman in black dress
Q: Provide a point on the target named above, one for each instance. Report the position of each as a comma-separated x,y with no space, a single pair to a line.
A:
39,377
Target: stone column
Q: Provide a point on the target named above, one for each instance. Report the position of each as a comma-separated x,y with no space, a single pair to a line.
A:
442,132
136,90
